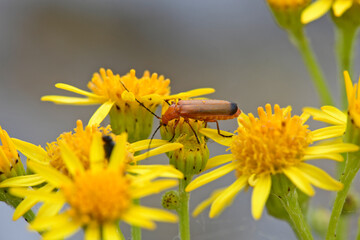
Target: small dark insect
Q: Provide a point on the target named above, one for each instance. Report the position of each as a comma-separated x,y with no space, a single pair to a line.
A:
108,145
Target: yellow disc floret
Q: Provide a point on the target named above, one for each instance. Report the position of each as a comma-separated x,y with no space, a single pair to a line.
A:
79,142
270,143
99,196
109,85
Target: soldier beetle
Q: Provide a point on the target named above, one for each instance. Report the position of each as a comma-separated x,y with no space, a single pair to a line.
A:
202,110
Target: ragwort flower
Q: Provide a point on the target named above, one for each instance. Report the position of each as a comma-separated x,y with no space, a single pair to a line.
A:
274,143
97,198
125,99
10,163
79,144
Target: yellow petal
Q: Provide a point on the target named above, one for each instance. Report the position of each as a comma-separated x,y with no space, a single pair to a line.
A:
164,170
159,150
226,197
208,177
332,148
101,113
92,232
50,174
335,156
62,231
304,117
110,231
23,181
144,144
31,151
38,195
320,178
315,11
299,179
260,195
328,132
132,218
349,86
70,100
73,89
72,162
214,135
335,113
155,214
218,160
153,188
191,93
207,202
321,116
117,158
97,153
153,98
43,223
49,209
339,7
29,202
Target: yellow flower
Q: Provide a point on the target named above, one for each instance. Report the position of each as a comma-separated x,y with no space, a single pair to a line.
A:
97,198
274,143
320,7
79,145
108,91
353,96
288,4
10,164
123,104
334,116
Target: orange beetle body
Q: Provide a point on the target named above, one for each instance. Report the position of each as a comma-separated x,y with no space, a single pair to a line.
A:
203,110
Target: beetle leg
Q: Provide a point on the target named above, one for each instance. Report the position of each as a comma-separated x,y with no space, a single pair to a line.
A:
197,139
176,123
218,129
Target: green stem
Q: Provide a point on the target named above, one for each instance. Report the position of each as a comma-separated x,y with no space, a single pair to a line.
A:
351,168
14,202
136,231
298,223
345,39
343,227
358,233
183,210
297,36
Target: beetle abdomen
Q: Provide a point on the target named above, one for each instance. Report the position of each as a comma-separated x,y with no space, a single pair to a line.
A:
208,110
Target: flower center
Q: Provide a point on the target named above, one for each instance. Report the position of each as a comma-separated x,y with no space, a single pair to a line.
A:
108,85
79,142
98,196
271,142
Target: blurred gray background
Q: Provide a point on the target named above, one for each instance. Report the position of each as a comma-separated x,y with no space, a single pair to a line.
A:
232,46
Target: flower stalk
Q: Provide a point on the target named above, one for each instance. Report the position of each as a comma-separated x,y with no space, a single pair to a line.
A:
183,210
14,202
352,166
288,196
345,43
299,39
136,231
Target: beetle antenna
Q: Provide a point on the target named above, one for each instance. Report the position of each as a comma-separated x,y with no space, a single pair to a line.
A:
152,137
167,101
140,102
